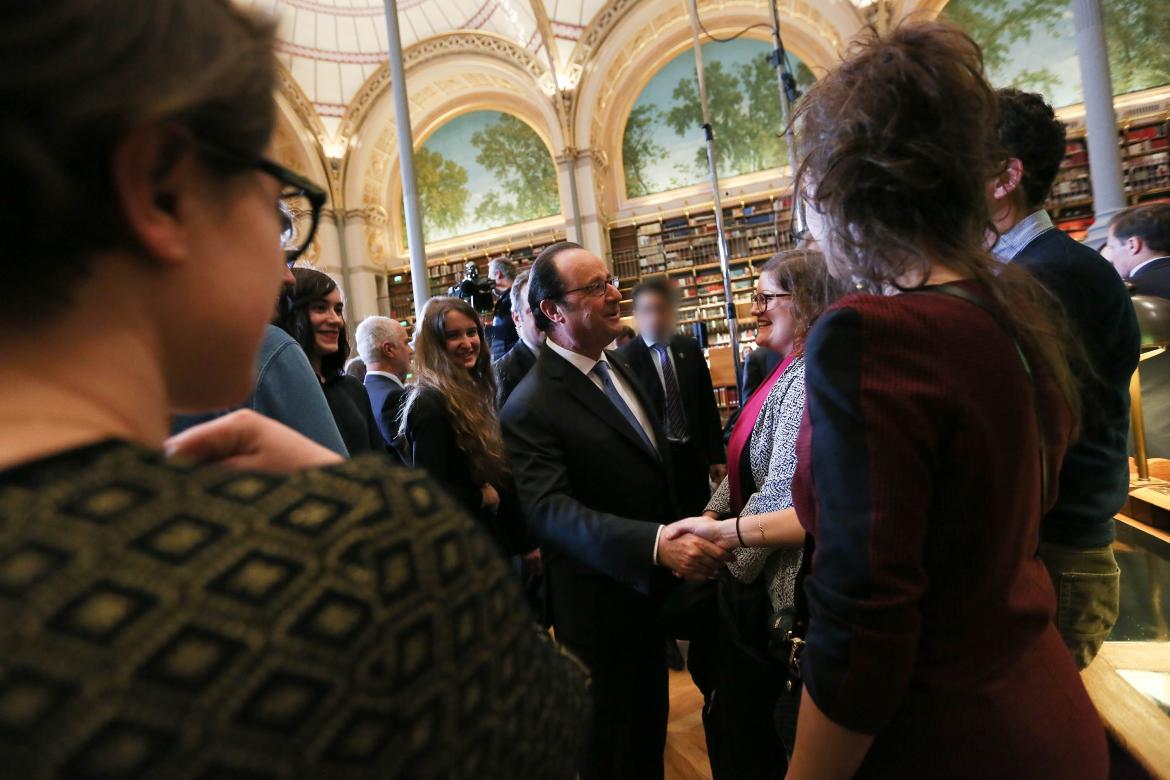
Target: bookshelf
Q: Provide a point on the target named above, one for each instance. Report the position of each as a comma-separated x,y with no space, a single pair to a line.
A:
443,272
681,245
1145,162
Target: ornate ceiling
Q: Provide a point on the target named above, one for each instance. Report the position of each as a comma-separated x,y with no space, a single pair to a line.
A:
332,46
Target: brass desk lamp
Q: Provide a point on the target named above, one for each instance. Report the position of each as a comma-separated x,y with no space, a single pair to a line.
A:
1153,316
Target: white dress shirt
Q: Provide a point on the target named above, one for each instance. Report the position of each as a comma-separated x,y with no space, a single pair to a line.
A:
585,365
1142,265
650,344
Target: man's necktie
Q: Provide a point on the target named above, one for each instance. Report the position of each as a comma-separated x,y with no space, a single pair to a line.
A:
611,392
676,417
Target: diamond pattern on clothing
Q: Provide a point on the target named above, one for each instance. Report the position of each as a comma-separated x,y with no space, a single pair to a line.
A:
184,621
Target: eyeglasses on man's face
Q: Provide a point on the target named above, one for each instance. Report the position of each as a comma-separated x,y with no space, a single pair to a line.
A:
596,289
300,204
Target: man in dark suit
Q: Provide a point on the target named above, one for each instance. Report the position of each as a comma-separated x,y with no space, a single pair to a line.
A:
502,334
385,348
520,359
593,469
672,369
1139,248
1077,534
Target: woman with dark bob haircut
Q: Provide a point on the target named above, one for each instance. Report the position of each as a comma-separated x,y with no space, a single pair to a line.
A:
938,411
312,312
278,613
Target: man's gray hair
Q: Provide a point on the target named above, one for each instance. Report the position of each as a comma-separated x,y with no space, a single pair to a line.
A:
372,333
519,291
503,266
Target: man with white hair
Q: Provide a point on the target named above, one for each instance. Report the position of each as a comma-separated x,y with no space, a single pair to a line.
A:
384,347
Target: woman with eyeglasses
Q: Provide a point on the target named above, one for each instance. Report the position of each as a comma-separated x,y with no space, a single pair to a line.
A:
450,423
312,312
287,389
159,617
792,291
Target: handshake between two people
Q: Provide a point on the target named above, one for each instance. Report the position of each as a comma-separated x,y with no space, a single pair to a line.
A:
696,548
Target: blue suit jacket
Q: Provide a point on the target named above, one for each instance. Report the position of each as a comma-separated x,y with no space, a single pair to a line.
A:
386,398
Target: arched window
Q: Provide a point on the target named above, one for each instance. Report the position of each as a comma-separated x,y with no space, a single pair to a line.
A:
483,170
663,144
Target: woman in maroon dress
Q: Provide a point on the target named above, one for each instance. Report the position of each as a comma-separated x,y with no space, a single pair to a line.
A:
930,650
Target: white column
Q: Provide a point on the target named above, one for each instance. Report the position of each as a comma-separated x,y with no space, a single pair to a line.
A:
1100,121
592,234
366,260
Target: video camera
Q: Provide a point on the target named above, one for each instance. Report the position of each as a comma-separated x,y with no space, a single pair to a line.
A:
476,291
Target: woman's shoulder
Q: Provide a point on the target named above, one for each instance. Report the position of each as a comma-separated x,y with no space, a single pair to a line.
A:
423,402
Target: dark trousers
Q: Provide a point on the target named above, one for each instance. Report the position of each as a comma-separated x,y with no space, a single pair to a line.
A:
626,735
691,479
740,719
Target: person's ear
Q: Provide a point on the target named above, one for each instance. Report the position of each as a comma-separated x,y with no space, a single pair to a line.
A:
1134,245
550,309
387,349
153,169
1008,180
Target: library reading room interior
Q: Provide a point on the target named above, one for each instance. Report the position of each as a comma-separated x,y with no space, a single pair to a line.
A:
599,389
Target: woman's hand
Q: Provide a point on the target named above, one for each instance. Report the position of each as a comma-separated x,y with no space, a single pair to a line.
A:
704,527
250,441
491,499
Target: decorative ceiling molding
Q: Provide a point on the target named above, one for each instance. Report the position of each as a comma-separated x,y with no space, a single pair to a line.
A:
298,101
455,43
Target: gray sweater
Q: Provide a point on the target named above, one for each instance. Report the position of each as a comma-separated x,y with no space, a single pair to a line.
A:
772,453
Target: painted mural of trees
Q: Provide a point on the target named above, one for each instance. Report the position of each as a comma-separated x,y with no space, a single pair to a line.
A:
1136,32
524,171
1138,35
442,192
639,148
744,104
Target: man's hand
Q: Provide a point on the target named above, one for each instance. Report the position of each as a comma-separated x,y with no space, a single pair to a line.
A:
718,472
250,441
692,557
531,564
703,527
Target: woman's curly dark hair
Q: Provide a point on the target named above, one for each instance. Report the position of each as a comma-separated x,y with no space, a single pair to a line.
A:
899,143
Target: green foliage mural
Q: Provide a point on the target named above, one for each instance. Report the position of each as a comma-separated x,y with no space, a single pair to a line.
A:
662,146
482,170
1031,44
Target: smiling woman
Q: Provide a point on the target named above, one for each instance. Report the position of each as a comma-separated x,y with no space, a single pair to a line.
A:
449,419
313,313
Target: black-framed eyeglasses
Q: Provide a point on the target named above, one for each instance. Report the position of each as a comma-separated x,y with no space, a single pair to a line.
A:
763,300
300,205
596,289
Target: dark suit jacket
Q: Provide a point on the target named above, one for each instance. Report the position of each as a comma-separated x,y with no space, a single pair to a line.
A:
431,445
593,495
386,398
350,404
510,369
1094,478
1154,279
694,380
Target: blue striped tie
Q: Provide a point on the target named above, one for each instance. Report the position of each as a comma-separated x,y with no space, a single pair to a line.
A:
611,392
676,418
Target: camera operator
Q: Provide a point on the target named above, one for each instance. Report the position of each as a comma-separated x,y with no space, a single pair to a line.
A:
475,291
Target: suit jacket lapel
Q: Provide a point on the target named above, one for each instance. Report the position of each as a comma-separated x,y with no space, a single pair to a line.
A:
592,398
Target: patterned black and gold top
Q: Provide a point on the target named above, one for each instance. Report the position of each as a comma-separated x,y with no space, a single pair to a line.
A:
180,621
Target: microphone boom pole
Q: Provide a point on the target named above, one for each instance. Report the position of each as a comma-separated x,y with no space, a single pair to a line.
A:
720,238
788,95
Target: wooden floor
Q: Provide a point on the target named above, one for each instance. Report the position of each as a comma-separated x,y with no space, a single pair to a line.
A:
686,750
